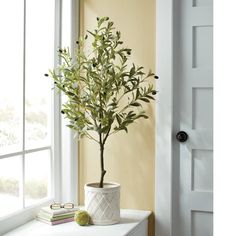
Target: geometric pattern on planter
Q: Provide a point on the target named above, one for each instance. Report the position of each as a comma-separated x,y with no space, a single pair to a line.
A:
103,207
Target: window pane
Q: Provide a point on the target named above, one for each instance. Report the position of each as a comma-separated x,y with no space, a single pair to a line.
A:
11,77
10,174
39,59
37,176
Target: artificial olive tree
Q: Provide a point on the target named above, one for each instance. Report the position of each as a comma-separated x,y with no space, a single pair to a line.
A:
105,95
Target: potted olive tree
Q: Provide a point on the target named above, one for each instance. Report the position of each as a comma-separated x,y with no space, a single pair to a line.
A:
105,96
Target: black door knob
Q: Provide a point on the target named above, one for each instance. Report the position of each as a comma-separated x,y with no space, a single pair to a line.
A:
182,136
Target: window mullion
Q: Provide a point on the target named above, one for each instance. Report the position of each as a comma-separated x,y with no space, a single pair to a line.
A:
25,152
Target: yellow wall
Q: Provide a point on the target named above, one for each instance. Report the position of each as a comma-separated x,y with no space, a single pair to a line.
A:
129,159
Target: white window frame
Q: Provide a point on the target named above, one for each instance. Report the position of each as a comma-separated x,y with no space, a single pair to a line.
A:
65,147
69,145
164,158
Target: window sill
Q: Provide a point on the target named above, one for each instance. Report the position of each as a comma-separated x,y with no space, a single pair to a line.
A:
22,216
133,223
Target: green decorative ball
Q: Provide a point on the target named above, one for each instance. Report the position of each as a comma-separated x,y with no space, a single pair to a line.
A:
82,217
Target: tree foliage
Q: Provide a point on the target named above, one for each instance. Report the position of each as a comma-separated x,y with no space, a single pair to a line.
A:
105,95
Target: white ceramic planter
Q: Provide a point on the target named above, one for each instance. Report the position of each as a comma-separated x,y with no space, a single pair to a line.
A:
103,204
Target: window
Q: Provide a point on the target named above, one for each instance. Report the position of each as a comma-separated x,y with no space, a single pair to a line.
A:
27,52
38,155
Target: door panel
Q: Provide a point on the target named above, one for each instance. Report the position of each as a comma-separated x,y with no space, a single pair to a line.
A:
202,46
202,223
202,3
202,114
202,170
193,66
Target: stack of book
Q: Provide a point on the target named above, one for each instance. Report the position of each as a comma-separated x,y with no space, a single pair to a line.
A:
54,217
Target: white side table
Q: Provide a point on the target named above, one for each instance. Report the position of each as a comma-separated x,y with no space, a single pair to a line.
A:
133,223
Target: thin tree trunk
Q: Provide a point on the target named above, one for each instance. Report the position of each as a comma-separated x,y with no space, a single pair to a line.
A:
101,142
103,171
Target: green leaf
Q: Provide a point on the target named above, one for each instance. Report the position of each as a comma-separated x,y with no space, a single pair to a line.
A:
144,116
135,104
70,126
150,97
132,71
91,33
118,119
144,99
137,94
101,20
110,24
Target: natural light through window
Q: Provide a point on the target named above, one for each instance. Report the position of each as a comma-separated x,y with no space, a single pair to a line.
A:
27,52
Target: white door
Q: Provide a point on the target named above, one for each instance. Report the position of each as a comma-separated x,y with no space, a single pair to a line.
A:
193,113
